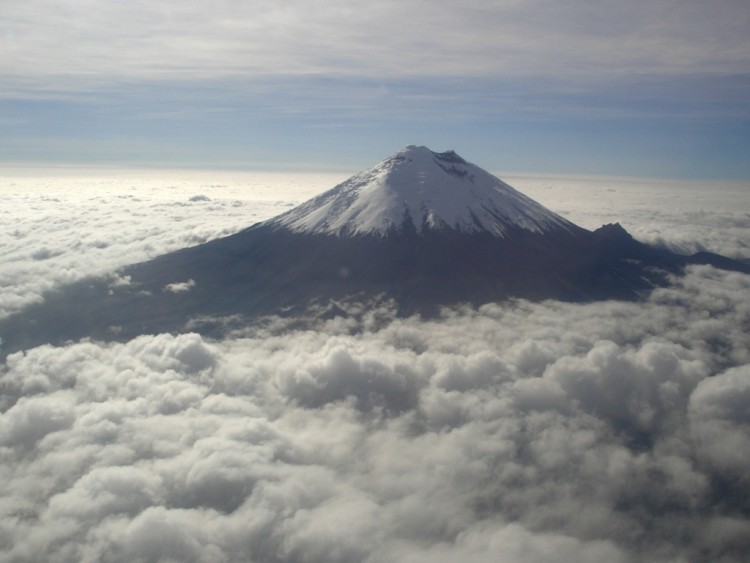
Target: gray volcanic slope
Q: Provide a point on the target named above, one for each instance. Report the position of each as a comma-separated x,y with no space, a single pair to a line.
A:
420,229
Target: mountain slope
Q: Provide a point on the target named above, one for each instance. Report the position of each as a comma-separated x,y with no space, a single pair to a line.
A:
428,190
421,229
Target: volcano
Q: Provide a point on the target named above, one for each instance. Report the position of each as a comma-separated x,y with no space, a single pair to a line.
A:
420,230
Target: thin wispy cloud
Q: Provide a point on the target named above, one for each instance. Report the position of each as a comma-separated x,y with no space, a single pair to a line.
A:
83,45
237,78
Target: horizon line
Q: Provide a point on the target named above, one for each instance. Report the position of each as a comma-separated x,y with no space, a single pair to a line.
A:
29,168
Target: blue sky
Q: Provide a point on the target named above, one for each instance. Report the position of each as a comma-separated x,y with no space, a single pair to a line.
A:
659,88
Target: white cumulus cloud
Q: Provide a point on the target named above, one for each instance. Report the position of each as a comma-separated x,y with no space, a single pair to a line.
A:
518,431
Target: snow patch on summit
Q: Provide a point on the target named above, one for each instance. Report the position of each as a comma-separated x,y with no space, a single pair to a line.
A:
431,191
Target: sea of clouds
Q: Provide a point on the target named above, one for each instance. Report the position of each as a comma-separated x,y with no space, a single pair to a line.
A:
518,432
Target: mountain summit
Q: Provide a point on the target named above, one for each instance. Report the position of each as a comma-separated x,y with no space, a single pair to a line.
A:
419,189
420,230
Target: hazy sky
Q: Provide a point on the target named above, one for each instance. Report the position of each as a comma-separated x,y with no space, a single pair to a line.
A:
642,87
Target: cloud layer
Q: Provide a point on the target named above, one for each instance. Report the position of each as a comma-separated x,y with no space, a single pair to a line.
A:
539,432
62,228
520,431
683,216
84,45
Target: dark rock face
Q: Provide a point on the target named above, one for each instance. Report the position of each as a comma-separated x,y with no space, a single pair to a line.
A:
266,270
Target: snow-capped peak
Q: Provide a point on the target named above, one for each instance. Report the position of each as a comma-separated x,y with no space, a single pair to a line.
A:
431,190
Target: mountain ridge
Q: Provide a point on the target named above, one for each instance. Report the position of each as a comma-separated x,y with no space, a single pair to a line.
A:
317,254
